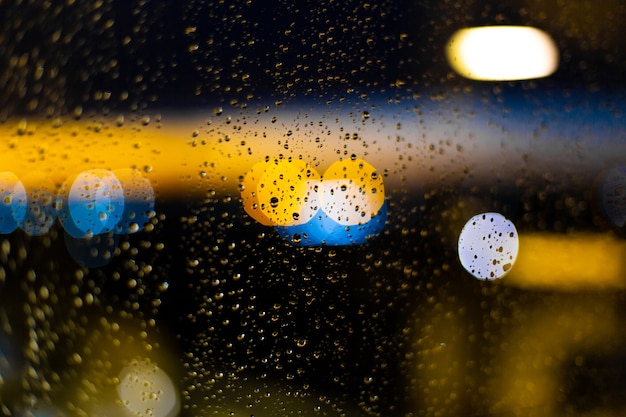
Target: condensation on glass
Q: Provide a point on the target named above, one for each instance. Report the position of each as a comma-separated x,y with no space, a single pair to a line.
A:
245,208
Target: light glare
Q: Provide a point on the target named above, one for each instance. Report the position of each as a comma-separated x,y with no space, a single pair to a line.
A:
147,391
488,246
502,53
570,262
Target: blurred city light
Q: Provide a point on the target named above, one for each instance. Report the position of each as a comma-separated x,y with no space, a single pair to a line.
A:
502,53
146,390
533,363
280,192
488,246
323,230
138,200
570,262
345,206
41,211
13,202
611,195
91,203
351,192
94,251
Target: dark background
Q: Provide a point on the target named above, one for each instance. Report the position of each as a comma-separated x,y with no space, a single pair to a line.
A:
131,54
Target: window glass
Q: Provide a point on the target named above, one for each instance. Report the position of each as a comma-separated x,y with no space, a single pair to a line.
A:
320,208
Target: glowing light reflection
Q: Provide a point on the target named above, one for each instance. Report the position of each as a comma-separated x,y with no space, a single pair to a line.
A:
502,53
570,262
345,206
146,390
92,252
488,246
612,196
280,192
138,201
92,204
351,192
323,230
41,211
13,202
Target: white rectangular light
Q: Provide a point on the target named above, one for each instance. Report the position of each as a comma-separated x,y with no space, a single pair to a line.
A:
502,53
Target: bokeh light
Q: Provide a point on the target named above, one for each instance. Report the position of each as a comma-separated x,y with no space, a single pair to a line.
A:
240,320
13,202
612,196
532,376
570,262
94,251
280,192
91,203
351,192
502,53
323,230
146,390
138,200
41,211
346,206
488,246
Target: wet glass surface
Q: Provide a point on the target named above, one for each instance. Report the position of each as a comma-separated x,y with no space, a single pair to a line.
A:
213,208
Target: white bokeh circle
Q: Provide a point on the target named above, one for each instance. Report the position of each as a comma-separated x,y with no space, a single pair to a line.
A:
145,390
488,246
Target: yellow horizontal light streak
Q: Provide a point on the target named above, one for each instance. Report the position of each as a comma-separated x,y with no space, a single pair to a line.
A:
189,154
60,149
502,53
184,156
569,262
180,156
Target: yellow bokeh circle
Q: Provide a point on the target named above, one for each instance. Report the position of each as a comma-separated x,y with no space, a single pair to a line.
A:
281,192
